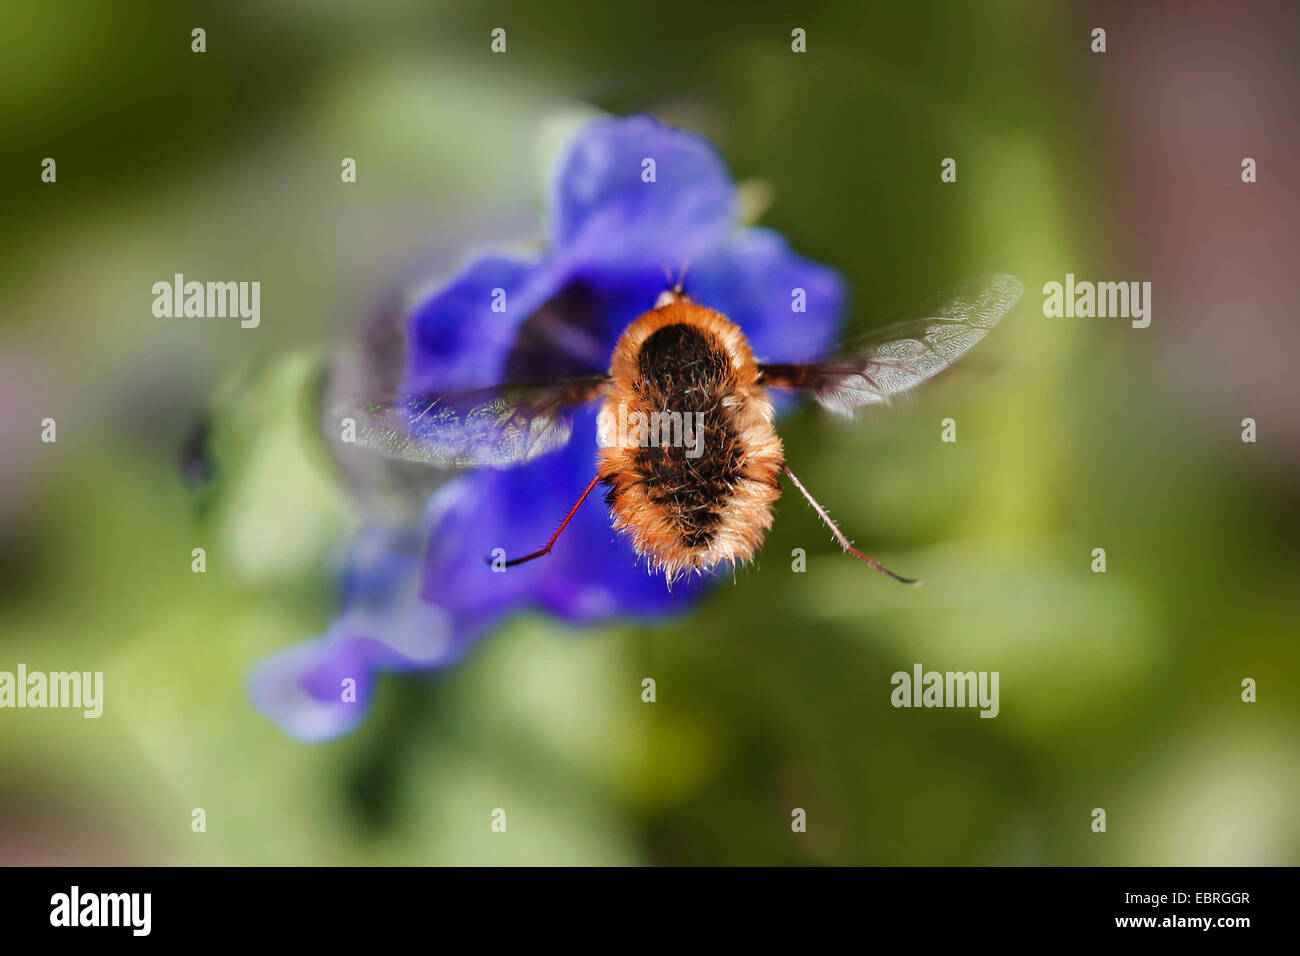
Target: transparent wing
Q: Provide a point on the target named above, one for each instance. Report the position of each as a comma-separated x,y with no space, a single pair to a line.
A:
900,357
497,427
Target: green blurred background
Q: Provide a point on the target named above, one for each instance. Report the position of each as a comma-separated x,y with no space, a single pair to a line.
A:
1118,690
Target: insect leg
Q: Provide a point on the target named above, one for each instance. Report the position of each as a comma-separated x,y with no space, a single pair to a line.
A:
839,535
551,543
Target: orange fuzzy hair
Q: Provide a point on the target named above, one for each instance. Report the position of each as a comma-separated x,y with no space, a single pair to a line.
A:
690,514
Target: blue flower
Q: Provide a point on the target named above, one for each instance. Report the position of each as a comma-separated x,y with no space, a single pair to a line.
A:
629,198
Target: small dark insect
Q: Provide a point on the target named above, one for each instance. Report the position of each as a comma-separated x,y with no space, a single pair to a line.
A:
689,456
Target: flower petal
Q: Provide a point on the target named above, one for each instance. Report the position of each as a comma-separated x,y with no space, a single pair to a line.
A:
385,626
612,233
456,340
302,687
603,213
752,278
278,691
592,574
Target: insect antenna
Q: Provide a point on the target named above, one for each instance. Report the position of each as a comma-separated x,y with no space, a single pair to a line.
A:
550,544
839,535
681,277
679,286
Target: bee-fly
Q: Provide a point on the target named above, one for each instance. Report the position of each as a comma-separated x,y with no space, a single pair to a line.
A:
689,456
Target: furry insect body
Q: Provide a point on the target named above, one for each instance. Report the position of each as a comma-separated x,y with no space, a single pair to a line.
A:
683,512
701,496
